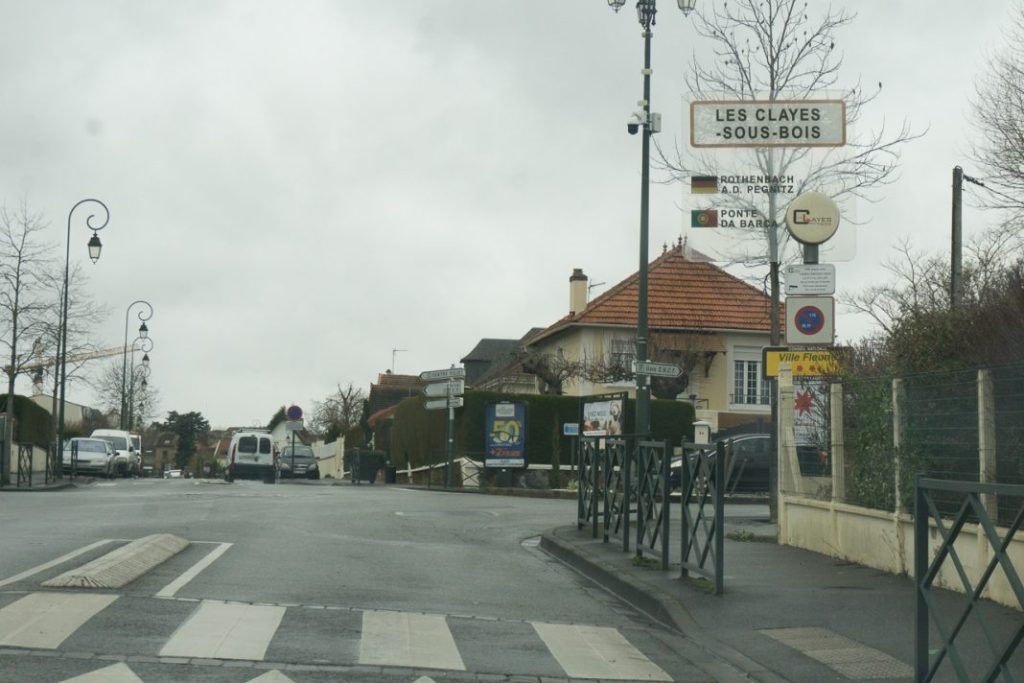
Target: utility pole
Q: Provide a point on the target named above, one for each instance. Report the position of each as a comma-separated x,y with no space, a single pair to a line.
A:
956,271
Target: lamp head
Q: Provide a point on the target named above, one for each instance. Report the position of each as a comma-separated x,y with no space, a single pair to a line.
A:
95,247
616,4
143,330
687,6
145,360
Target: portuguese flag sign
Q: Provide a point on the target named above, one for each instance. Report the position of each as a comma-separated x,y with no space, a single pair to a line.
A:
707,218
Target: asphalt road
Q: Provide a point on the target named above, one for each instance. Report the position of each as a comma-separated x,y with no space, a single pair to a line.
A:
312,582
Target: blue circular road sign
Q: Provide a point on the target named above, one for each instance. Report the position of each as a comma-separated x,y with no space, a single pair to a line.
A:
293,413
809,320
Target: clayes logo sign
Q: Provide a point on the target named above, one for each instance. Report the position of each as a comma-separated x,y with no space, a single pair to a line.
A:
812,218
804,217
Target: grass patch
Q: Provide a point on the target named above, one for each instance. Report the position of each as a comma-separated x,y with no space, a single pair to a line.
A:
646,562
700,583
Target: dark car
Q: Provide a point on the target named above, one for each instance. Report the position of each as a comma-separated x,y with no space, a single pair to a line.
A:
749,471
298,461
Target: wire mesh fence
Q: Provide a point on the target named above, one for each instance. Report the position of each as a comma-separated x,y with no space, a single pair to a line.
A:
961,424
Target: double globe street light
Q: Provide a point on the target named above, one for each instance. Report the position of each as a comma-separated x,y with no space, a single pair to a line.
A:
645,124
146,346
144,314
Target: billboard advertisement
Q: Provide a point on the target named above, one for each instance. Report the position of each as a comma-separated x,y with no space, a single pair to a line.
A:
505,435
603,415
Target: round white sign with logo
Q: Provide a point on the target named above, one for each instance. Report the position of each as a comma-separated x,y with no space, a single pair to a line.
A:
812,218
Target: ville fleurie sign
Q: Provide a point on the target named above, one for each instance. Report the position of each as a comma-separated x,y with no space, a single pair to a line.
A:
768,123
803,363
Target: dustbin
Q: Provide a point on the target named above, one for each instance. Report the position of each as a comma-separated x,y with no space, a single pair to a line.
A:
391,475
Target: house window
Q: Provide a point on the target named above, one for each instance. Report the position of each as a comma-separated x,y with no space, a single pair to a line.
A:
622,354
748,386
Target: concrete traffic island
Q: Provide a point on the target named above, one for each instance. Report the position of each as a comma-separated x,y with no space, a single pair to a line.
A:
123,565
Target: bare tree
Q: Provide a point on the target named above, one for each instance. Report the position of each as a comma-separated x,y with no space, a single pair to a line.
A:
775,50
143,394
339,412
998,109
23,304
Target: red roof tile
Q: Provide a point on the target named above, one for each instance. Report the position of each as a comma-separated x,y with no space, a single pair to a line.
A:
681,294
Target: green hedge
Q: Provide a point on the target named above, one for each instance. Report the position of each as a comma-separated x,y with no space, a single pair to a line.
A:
33,423
418,435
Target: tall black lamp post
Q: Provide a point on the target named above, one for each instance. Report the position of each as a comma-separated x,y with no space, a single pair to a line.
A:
95,246
645,124
144,315
146,346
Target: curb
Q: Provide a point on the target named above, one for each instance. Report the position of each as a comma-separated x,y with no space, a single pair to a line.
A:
38,489
654,602
520,493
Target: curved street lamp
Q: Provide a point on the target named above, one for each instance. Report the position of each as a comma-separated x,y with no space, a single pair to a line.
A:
646,11
95,247
145,347
143,333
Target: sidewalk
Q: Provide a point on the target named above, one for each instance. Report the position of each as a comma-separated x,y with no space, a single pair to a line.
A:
38,485
787,614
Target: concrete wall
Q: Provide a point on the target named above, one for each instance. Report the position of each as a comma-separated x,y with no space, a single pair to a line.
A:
38,465
885,541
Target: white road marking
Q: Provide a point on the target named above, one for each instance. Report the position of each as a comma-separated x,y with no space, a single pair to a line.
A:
173,587
400,513
45,620
404,639
116,673
424,679
219,630
53,563
597,652
272,676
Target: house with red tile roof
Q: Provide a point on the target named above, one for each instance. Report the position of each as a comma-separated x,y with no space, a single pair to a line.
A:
701,318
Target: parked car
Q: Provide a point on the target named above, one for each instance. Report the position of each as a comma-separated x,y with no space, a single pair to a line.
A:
251,455
750,457
128,462
298,461
95,456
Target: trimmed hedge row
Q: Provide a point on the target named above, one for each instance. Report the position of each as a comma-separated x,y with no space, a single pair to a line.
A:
33,423
418,435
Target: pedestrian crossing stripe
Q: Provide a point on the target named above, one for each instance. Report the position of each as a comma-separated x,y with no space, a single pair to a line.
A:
218,630
116,673
45,620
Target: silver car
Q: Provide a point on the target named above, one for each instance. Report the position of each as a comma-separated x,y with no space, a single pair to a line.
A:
94,456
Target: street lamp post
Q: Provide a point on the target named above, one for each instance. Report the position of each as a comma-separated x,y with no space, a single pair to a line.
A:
646,11
145,347
95,246
143,333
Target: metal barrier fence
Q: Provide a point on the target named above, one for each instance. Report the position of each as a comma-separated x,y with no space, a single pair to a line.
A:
25,453
618,476
929,495
703,536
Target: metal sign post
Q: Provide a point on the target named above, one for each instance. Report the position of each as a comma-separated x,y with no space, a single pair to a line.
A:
449,383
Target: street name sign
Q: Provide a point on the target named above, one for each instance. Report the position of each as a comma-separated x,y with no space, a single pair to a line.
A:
442,403
768,123
810,320
657,369
802,362
810,278
447,373
453,387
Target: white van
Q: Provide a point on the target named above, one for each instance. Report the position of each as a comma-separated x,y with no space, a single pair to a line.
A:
251,455
127,461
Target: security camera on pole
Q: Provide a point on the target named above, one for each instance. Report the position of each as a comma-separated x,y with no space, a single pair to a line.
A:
447,389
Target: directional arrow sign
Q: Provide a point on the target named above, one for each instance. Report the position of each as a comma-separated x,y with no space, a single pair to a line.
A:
442,403
657,369
447,373
455,387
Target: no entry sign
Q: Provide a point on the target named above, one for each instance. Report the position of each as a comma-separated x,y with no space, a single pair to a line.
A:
810,321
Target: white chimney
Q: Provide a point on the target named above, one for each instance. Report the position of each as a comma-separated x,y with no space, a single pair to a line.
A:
577,291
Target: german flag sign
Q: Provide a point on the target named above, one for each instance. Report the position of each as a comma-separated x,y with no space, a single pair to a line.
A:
704,184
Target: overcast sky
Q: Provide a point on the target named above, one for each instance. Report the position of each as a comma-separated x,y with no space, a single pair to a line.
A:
301,187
